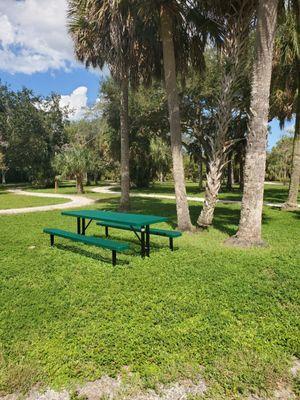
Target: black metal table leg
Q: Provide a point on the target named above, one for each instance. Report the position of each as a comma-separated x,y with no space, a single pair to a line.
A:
83,226
52,240
78,225
147,241
114,257
143,242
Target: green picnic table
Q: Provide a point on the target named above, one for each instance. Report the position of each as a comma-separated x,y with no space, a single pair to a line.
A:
137,223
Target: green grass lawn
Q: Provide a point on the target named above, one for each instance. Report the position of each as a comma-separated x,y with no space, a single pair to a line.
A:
69,316
10,200
273,193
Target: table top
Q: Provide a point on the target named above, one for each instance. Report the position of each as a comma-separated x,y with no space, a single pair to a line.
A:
129,219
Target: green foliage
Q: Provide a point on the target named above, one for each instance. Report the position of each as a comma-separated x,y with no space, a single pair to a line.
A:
73,161
91,133
31,131
279,160
149,127
69,316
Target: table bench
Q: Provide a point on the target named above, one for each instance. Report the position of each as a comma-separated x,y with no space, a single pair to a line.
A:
139,224
152,231
112,245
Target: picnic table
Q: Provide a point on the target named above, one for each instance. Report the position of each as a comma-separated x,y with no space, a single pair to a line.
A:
137,223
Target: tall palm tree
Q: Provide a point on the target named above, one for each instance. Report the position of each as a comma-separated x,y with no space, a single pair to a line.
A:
233,59
182,43
105,33
166,20
249,232
291,54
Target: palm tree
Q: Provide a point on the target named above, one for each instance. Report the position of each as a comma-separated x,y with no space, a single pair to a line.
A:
183,215
182,44
249,232
105,33
233,63
290,49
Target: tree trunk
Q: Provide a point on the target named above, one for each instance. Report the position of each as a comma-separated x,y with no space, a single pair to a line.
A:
241,171
79,184
292,201
183,214
200,174
213,185
249,232
56,184
125,177
3,177
230,176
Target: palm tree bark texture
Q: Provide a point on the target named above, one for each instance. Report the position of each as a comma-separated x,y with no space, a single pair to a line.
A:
249,232
219,145
125,175
183,214
291,203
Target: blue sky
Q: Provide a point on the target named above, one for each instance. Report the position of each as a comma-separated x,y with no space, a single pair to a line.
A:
36,52
58,81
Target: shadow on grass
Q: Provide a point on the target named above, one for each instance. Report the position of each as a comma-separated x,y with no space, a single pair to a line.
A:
296,214
89,254
226,218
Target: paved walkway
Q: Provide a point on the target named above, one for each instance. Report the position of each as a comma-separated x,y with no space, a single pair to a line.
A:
81,201
112,190
75,201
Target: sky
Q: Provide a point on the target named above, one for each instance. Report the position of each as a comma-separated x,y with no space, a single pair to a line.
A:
36,52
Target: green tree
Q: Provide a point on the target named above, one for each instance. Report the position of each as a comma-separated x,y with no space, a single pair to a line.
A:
285,99
73,161
105,33
149,126
233,65
31,130
249,232
279,160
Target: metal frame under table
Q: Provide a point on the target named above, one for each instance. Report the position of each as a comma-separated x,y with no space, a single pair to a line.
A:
138,223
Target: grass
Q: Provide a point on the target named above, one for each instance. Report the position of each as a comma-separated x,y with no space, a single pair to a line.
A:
10,200
273,193
70,316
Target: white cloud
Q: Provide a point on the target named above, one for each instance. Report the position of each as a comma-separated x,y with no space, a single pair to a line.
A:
76,102
34,37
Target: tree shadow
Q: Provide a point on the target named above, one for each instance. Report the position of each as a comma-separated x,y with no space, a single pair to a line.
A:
89,254
226,218
296,214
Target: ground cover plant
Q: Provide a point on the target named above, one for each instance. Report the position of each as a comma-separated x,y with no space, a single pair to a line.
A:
230,314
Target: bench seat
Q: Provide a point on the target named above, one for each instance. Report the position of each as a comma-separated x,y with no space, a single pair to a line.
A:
112,245
153,231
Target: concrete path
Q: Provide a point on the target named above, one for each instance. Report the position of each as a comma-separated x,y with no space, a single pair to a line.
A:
75,201
112,190
81,201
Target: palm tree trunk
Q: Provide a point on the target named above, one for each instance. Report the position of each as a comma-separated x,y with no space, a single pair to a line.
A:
213,185
55,184
3,177
200,174
249,232
230,176
79,183
125,176
183,214
291,203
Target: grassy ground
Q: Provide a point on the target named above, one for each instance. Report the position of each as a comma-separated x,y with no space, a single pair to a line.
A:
273,193
10,200
69,316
